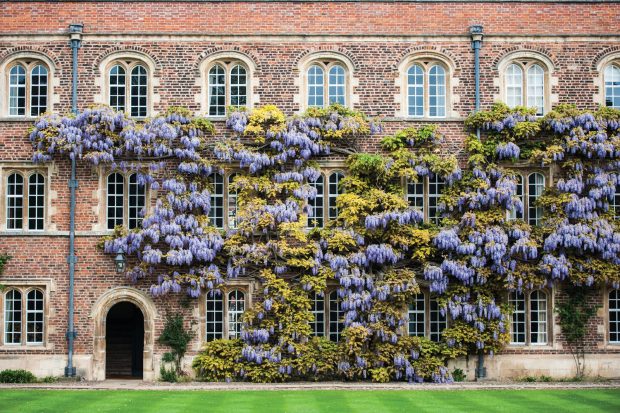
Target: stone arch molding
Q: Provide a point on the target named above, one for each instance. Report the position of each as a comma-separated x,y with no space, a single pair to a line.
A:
99,313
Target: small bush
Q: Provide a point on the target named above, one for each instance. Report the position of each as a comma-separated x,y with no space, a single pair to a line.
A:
17,376
49,379
458,375
169,375
545,379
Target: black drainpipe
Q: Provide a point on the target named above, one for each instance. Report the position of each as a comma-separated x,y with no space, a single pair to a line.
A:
476,42
75,30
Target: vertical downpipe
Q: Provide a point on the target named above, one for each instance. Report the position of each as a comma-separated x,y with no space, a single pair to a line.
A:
75,30
476,33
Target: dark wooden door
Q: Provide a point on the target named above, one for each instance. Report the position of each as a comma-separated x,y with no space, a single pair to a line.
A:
124,341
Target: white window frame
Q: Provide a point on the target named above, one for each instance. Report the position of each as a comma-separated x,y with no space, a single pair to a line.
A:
614,205
525,94
228,66
28,65
326,61
317,308
129,65
528,298
611,74
218,196
231,202
327,66
427,66
615,308
335,316
26,208
126,198
234,315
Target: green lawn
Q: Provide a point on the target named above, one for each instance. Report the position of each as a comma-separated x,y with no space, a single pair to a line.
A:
309,401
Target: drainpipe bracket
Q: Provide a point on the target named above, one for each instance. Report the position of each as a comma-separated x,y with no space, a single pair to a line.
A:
71,334
73,183
72,259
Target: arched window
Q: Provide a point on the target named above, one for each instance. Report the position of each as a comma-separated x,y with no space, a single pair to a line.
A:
538,317
13,317
426,89
317,206
327,82
126,201
28,88
232,202
526,84
536,186
417,316
334,190
227,86
34,317
236,307
318,311
216,213
614,316
25,202
612,85
336,314
128,87
214,316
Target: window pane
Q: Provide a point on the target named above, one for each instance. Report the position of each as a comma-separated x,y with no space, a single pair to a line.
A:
615,204
17,91
36,202
536,186
38,90
14,201
514,214
34,317
514,85
137,202
139,91
318,311
614,316
117,88
415,91
317,208
538,317
238,86
536,89
415,194
315,87
438,322
116,190
13,317
214,316
216,213
236,307
335,316
336,85
217,91
417,320
232,202
517,323
612,86
435,188
437,91
335,190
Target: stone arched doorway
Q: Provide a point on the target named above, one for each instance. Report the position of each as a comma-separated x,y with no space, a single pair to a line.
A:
123,306
124,341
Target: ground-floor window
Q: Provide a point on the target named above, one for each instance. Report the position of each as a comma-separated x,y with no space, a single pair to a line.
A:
24,316
529,320
223,314
614,316
426,318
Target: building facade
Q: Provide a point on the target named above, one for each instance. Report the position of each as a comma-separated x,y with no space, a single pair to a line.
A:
408,62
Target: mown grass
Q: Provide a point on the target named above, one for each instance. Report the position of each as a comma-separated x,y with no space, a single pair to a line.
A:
310,401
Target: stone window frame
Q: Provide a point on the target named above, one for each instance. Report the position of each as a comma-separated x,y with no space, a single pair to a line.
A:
427,59
29,60
101,208
24,287
550,303
525,59
428,299
240,285
129,59
525,174
599,81
227,59
426,196
25,170
326,60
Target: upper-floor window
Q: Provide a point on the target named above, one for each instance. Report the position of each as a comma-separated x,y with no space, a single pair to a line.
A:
612,85
25,201
426,318
216,213
426,89
529,195
24,319
126,201
528,324
128,87
327,84
27,88
614,316
325,200
228,82
526,84
232,202
223,314
425,195
615,203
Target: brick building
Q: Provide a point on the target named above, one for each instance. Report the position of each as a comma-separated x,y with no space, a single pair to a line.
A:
409,62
